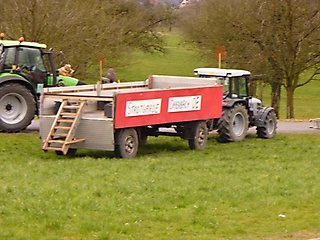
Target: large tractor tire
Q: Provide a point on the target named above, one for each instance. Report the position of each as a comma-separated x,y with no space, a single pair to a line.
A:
268,130
17,107
199,133
127,143
234,123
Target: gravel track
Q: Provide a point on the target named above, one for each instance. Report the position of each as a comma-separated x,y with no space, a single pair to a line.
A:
283,127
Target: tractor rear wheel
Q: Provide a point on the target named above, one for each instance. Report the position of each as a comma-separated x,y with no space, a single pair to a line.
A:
17,107
127,143
234,123
268,130
199,133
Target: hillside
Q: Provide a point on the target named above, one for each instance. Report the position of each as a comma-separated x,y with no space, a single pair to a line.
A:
180,59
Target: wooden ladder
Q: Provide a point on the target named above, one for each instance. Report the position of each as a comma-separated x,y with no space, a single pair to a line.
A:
63,129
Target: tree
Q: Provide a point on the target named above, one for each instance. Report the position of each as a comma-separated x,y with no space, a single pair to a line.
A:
279,39
84,30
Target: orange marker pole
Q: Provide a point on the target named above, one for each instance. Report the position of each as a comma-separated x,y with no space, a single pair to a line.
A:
100,80
100,64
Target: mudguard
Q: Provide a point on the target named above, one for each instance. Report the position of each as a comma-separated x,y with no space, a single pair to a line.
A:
230,102
261,116
66,81
10,77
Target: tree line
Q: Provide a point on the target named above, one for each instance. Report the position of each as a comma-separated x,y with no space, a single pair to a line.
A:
277,40
86,30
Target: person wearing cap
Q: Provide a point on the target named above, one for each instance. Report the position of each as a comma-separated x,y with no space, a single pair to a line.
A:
66,70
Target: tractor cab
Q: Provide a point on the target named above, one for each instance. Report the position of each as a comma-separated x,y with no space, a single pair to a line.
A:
31,62
25,69
235,82
236,90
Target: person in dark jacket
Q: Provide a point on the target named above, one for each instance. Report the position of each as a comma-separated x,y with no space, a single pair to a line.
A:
110,77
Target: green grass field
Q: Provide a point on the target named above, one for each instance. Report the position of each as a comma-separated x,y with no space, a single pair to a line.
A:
228,191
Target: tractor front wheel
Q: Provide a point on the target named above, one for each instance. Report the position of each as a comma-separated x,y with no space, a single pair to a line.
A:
268,130
17,107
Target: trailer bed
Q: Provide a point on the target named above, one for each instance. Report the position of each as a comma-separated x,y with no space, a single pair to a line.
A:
158,101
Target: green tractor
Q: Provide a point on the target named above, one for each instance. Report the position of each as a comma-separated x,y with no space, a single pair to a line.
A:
25,69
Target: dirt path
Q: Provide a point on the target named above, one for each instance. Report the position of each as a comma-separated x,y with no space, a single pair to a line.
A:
283,127
294,127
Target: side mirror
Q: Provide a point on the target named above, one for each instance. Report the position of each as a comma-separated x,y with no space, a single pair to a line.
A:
61,57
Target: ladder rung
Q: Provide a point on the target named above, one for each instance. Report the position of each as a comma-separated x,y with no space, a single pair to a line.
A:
52,148
65,120
60,127
74,141
69,114
56,141
71,107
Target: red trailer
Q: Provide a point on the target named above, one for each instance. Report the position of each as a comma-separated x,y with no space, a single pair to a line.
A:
120,117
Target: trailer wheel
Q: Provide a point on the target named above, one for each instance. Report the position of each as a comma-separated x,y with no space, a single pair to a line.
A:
199,134
233,125
127,143
268,130
17,107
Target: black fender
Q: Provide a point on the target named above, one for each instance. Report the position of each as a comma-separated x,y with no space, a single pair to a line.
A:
261,116
230,102
18,79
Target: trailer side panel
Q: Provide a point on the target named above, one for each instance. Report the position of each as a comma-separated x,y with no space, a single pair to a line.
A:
167,106
97,132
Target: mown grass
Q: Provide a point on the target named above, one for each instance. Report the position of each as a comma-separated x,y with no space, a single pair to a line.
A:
179,59
227,191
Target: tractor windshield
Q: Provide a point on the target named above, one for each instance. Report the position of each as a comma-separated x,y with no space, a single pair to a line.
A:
31,59
237,87
8,54
30,64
